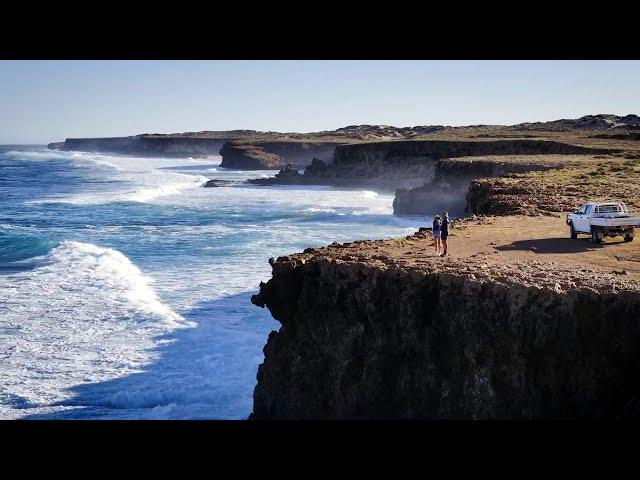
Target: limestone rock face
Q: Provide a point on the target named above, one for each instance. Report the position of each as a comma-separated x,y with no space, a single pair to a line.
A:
248,157
273,154
360,341
445,165
147,145
451,182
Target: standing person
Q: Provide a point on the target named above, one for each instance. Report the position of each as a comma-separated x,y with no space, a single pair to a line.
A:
444,233
436,234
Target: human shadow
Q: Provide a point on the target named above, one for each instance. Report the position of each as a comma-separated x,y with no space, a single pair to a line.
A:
203,372
552,245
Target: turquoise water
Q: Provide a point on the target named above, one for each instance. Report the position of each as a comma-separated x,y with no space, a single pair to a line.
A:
125,285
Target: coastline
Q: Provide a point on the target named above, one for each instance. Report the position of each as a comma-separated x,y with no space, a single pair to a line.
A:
520,322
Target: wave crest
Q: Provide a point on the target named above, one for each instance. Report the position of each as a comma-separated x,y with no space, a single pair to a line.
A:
105,273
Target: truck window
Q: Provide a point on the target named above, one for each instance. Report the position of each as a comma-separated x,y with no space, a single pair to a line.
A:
588,209
582,210
608,208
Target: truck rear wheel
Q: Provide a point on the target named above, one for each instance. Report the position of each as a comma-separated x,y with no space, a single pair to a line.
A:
595,238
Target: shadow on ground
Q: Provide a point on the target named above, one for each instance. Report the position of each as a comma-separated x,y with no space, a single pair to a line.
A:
561,245
553,245
205,372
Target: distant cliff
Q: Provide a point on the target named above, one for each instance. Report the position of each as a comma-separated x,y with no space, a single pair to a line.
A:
274,154
447,189
411,151
434,175
146,145
428,175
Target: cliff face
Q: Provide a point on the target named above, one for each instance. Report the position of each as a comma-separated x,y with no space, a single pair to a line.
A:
410,151
426,175
433,175
448,187
598,178
274,154
147,145
410,164
115,144
365,336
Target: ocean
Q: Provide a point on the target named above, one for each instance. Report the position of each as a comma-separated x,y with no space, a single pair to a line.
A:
125,286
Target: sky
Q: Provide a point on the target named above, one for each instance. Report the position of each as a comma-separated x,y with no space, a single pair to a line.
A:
46,101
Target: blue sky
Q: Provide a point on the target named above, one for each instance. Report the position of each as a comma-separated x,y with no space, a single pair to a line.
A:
43,101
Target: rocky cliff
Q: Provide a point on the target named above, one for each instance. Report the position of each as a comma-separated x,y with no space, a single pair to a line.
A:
562,187
409,151
372,332
447,189
294,148
411,164
426,175
274,154
147,145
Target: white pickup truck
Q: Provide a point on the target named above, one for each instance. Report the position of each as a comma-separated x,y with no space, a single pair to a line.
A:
605,219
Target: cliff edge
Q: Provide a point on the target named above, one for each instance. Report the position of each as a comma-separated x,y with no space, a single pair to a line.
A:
519,323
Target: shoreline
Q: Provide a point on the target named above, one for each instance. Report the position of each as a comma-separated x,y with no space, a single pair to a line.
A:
519,322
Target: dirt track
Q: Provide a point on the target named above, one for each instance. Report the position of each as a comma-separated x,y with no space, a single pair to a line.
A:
518,238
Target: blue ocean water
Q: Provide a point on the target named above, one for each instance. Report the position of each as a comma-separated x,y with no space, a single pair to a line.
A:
125,285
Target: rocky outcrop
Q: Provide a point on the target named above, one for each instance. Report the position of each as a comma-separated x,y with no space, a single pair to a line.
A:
161,145
289,175
55,145
601,121
426,175
365,335
200,143
274,154
248,157
381,132
448,188
416,151
220,183
632,136
599,178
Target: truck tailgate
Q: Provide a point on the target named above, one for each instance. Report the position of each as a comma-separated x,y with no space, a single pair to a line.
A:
616,221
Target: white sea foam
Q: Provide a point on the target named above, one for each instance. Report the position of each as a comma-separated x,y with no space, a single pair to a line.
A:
89,269
85,313
138,179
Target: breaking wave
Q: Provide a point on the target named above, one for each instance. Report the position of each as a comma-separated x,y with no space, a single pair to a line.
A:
96,273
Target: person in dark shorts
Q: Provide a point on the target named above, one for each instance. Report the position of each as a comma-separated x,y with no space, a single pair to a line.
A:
444,233
436,234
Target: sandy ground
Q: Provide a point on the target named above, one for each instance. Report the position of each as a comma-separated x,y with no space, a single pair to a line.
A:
530,251
516,238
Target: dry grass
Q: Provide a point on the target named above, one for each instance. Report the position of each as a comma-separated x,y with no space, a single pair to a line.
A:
564,189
